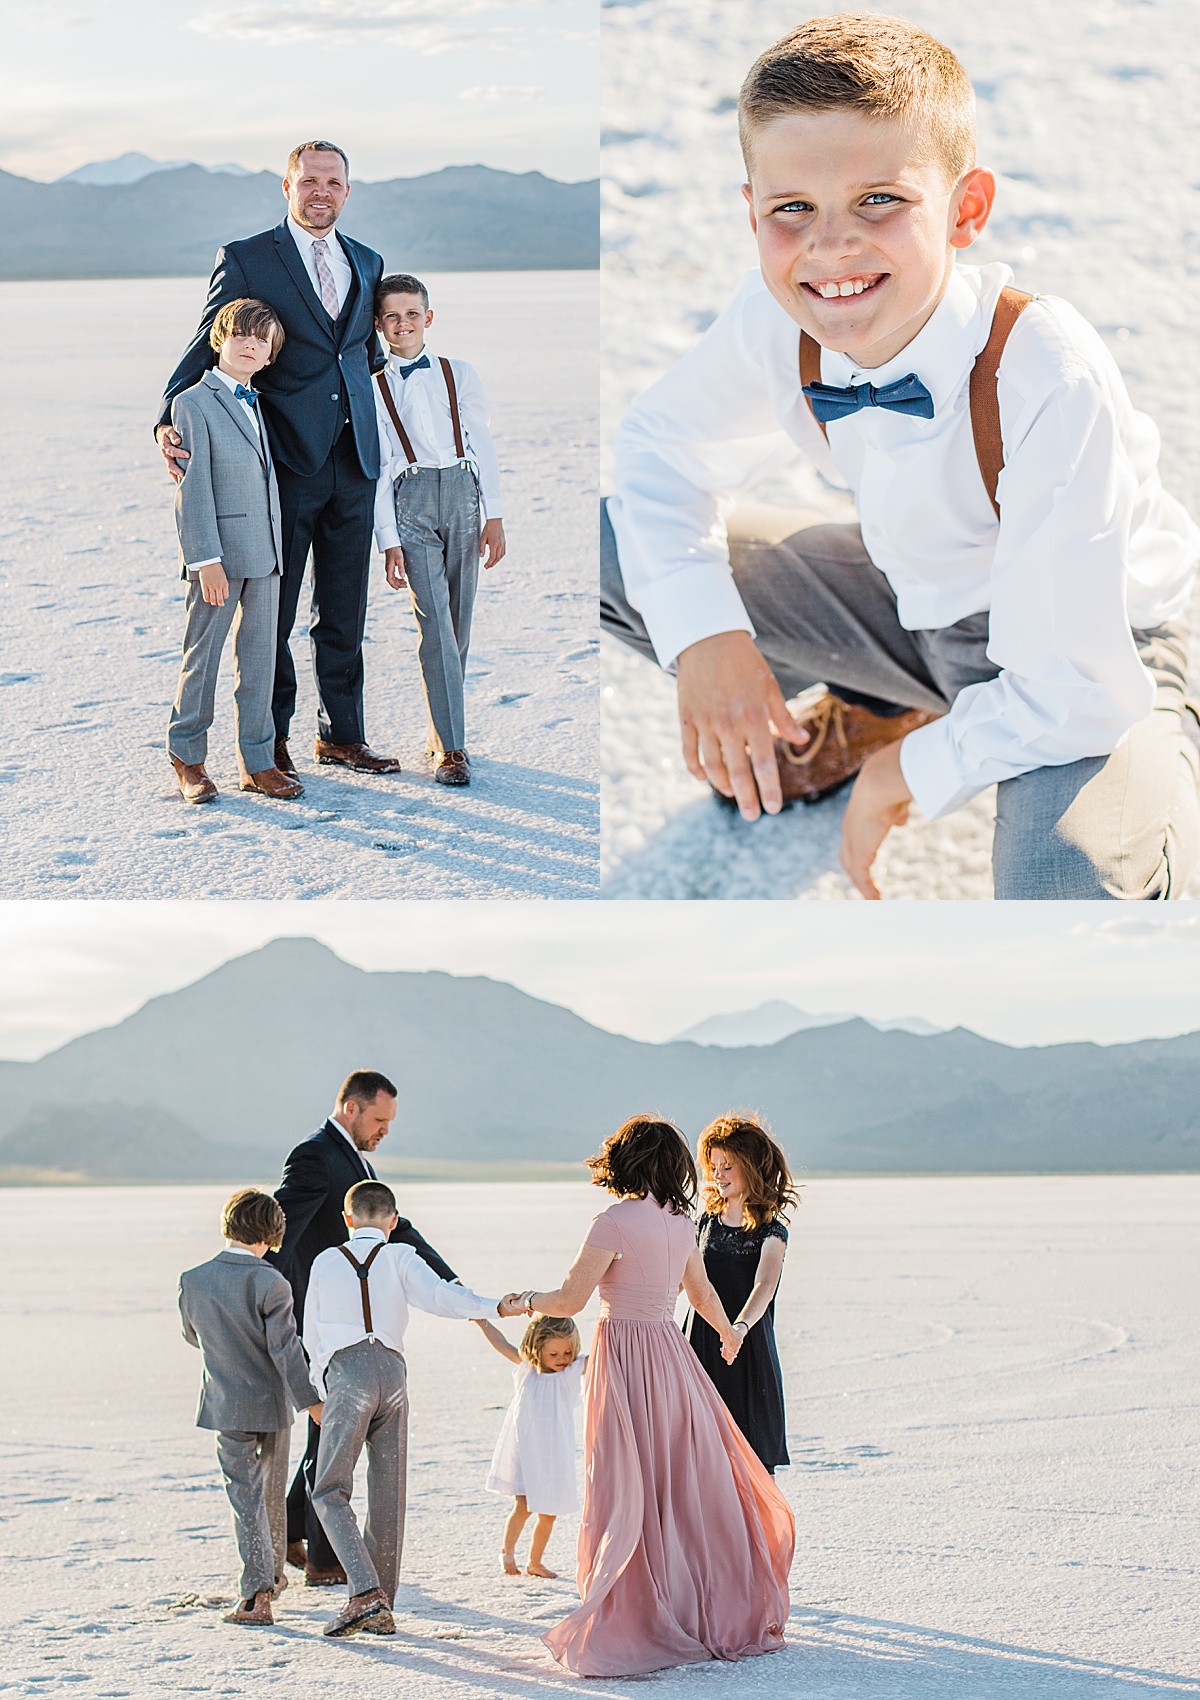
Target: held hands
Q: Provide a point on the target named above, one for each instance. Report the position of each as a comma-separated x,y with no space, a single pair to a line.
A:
730,708
492,545
512,1304
731,1344
170,442
393,567
314,1412
214,585
878,802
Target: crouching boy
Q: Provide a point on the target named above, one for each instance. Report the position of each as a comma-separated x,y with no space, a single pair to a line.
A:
238,1310
231,555
355,1317
437,463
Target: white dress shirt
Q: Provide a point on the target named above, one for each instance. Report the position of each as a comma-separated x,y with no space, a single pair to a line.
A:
336,1126
251,413
335,257
333,1313
1090,542
424,408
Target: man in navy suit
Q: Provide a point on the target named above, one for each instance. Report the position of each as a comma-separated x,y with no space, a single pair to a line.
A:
318,407
316,1178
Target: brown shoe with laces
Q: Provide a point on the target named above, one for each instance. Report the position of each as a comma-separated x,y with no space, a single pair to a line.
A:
194,784
360,758
255,1612
316,1577
271,783
283,758
369,1611
841,735
454,768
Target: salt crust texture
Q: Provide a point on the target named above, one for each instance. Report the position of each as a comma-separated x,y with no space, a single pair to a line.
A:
991,1399
93,617
1089,114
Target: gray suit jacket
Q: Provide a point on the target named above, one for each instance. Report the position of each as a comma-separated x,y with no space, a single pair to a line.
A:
227,504
238,1310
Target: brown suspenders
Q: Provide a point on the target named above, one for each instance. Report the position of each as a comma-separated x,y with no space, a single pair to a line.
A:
985,410
393,412
362,1270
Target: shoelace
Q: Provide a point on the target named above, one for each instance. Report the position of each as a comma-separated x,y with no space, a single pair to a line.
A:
830,711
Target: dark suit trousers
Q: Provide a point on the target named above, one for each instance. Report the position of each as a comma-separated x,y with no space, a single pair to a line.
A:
303,1524
330,513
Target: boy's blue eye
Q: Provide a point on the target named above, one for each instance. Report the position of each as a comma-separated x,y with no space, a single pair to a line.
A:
880,195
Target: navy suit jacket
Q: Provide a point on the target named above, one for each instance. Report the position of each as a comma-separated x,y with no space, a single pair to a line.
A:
316,1178
323,371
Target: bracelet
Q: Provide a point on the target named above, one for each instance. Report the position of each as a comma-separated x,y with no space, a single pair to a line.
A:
527,1300
744,1326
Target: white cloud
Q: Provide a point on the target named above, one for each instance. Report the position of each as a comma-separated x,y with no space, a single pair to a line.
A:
421,26
498,91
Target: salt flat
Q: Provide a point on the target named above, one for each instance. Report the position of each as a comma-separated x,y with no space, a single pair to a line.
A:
991,1397
93,618
1088,112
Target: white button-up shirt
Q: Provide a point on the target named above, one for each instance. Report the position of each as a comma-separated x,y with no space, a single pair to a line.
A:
333,1314
1090,542
335,256
424,408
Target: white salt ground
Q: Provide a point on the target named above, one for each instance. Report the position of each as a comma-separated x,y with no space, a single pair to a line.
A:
1090,112
991,1399
93,617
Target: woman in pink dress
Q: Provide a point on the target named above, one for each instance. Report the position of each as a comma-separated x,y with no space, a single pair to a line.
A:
685,1542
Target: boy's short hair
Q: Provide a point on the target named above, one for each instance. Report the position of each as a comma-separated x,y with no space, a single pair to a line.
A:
315,147
370,1201
251,1217
399,283
364,1085
883,67
247,317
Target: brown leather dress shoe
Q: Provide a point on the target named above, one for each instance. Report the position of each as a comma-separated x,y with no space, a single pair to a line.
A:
359,757
454,768
194,783
363,1611
297,1555
841,737
283,757
315,1577
271,783
255,1611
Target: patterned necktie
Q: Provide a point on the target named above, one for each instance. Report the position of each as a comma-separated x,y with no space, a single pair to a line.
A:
906,395
416,366
329,299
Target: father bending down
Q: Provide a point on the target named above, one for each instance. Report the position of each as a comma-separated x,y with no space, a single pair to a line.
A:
318,408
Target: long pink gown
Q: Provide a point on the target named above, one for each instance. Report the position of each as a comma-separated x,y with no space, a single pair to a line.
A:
685,1542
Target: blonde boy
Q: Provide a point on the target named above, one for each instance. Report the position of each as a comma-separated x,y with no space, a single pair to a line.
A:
1021,625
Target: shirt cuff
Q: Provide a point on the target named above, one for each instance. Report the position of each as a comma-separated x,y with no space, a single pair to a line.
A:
929,763
386,538
194,566
695,603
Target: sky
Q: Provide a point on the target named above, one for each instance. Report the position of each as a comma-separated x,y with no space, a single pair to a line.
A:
1020,973
405,86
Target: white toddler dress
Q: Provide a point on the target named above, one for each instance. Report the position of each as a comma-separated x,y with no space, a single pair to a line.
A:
535,1454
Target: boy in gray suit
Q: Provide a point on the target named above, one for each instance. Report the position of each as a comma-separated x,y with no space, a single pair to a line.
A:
230,554
238,1310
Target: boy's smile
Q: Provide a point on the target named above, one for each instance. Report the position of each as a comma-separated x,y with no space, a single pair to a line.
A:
403,321
856,225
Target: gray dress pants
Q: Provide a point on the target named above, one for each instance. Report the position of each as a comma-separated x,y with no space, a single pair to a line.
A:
1120,826
255,1470
366,1404
254,603
437,516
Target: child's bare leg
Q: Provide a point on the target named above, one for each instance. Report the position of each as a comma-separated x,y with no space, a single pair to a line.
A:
537,1547
517,1519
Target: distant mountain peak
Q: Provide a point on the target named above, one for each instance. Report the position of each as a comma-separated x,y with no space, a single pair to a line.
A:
132,167
775,1020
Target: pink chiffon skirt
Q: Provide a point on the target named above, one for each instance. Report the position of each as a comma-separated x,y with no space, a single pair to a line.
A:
686,1542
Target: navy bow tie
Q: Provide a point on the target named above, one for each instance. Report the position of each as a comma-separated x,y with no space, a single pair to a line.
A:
241,393
906,395
416,366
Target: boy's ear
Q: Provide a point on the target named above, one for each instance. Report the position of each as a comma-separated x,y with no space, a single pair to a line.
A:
971,207
748,194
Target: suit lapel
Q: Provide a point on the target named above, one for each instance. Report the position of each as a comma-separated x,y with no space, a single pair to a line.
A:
350,1151
233,408
285,247
353,295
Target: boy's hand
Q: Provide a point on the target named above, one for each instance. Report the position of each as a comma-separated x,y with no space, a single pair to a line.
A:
170,442
314,1412
214,585
491,543
730,707
878,802
393,567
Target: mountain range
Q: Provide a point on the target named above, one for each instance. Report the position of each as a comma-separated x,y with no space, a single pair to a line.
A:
220,1078
170,221
776,1020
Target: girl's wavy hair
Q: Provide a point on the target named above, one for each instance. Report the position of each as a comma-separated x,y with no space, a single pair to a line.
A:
770,1189
647,1156
544,1328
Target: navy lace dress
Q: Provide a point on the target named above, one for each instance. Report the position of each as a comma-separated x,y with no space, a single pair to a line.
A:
752,1386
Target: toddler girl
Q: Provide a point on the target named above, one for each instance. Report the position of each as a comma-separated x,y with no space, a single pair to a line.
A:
535,1454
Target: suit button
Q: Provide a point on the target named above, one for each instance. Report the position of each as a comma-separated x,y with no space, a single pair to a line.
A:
333,398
